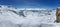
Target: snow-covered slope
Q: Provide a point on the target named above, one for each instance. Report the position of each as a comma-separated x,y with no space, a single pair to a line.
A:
27,18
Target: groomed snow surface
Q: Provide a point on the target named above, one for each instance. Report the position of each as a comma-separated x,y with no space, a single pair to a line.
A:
27,18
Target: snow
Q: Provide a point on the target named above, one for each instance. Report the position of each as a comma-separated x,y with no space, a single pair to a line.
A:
50,25
11,17
7,24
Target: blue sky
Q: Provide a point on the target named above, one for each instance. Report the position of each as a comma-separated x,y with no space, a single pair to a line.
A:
32,3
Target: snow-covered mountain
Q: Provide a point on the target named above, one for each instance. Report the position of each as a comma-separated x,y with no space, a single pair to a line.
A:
27,17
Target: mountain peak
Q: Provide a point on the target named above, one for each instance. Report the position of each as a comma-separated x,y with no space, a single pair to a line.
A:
6,7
